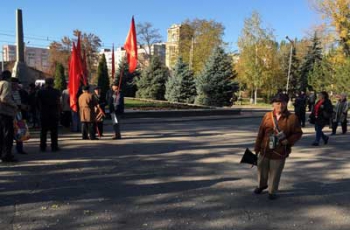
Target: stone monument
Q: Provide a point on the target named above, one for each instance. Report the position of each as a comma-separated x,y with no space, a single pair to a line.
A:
20,69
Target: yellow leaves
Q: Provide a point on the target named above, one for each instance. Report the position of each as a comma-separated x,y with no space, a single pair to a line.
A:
337,12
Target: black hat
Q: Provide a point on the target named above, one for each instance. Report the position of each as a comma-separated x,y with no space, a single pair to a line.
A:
97,87
14,79
49,81
86,87
280,97
5,75
249,158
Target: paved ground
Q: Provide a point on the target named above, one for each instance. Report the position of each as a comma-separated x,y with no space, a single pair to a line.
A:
167,174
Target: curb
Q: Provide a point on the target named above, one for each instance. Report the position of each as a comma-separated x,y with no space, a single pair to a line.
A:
180,113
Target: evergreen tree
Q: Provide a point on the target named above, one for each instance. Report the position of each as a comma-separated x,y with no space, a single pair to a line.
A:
151,84
128,84
102,76
319,78
313,56
60,79
181,86
214,85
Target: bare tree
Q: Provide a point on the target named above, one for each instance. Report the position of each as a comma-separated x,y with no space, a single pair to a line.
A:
90,43
147,36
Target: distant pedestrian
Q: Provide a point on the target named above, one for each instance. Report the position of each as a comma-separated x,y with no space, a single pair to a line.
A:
100,112
8,110
21,97
278,132
66,116
321,116
50,108
300,107
116,108
33,107
76,124
311,99
340,114
87,105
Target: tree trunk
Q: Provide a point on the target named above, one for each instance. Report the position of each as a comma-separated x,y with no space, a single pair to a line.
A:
255,95
251,97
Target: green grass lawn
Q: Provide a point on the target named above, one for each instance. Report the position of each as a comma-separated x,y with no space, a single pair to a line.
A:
150,105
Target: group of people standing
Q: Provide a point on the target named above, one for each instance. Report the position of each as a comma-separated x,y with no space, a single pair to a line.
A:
13,104
92,111
48,107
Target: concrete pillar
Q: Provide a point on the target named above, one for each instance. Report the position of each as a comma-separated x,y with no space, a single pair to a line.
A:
20,70
19,36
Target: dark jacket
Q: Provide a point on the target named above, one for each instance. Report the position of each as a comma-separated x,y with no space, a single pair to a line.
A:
25,103
119,109
300,104
49,104
324,114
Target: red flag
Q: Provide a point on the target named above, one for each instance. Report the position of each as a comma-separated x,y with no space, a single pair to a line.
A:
130,47
113,67
82,62
74,75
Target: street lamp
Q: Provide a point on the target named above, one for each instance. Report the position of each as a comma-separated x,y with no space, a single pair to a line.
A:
290,61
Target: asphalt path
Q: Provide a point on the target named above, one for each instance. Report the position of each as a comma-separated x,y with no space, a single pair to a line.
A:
174,174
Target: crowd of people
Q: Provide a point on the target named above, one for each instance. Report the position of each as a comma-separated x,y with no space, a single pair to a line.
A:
46,108
323,113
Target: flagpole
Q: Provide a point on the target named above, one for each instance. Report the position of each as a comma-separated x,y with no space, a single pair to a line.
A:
121,74
113,63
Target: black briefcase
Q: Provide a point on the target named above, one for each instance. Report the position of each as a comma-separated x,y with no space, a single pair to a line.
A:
249,158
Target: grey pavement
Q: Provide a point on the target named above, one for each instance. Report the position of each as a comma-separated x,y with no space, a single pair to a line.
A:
173,174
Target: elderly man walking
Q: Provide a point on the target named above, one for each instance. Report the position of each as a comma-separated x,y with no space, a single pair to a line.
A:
278,132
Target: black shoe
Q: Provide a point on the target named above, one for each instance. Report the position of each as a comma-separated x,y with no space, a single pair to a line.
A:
56,149
11,159
115,137
94,138
22,152
273,196
315,144
259,190
326,140
85,138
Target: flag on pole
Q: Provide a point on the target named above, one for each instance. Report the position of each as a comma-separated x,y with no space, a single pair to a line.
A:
82,62
79,46
75,73
84,69
130,47
113,64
